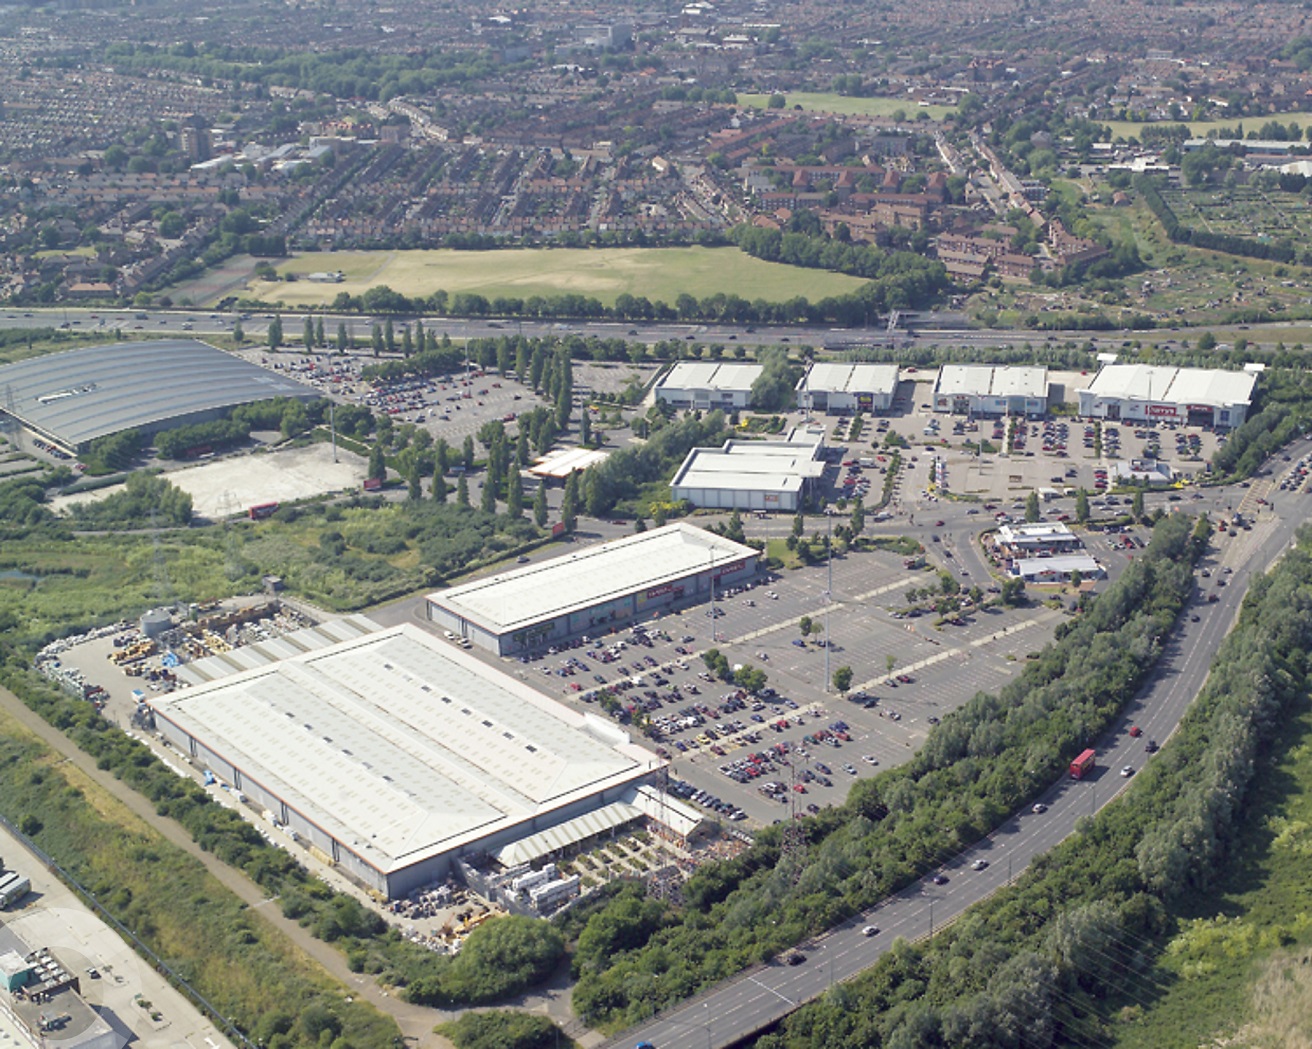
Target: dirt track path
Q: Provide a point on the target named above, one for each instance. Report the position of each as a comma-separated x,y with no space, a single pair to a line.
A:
415,1022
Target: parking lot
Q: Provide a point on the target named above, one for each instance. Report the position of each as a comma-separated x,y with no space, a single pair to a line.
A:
998,458
451,407
729,744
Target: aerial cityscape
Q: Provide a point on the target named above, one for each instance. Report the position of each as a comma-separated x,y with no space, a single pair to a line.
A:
668,525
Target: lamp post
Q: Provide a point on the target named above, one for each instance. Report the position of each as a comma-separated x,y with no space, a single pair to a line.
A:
829,597
715,635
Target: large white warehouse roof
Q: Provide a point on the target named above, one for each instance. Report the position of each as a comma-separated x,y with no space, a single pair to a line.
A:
401,747
834,377
711,375
525,596
985,380
1168,385
750,466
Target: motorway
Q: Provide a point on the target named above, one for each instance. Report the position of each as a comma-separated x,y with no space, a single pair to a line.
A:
765,994
929,328
255,326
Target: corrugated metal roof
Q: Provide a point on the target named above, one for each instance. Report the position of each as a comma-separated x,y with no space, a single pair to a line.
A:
967,379
94,391
749,466
263,653
567,461
1212,387
1134,381
664,808
986,380
1064,563
563,835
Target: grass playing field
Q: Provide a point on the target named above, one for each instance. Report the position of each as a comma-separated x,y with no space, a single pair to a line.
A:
604,273
1200,128
845,105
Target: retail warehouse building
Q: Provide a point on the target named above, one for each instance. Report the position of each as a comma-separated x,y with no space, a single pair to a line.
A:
706,385
393,753
1152,393
71,398
982,389
752,475
844,388
593,589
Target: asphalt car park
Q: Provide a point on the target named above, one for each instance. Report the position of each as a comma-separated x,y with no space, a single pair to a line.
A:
448,406
796,747
1023,454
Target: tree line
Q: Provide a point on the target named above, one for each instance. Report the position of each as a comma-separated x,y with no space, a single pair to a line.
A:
499,959
289,415
897,280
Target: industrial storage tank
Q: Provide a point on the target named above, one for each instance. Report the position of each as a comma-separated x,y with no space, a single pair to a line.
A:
156,621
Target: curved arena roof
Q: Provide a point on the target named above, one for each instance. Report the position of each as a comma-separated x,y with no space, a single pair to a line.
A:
78,395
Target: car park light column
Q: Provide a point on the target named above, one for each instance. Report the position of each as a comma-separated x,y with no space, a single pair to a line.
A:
829,596
714,626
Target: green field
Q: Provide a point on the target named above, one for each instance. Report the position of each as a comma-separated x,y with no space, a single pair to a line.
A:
1200,128
602,273
846,105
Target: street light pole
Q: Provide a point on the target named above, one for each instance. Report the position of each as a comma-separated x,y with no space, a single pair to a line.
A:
829,597
714,625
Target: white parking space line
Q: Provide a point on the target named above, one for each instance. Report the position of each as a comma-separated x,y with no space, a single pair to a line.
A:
938,657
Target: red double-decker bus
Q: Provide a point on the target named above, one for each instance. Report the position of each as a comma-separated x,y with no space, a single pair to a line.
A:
1084,764
261,511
